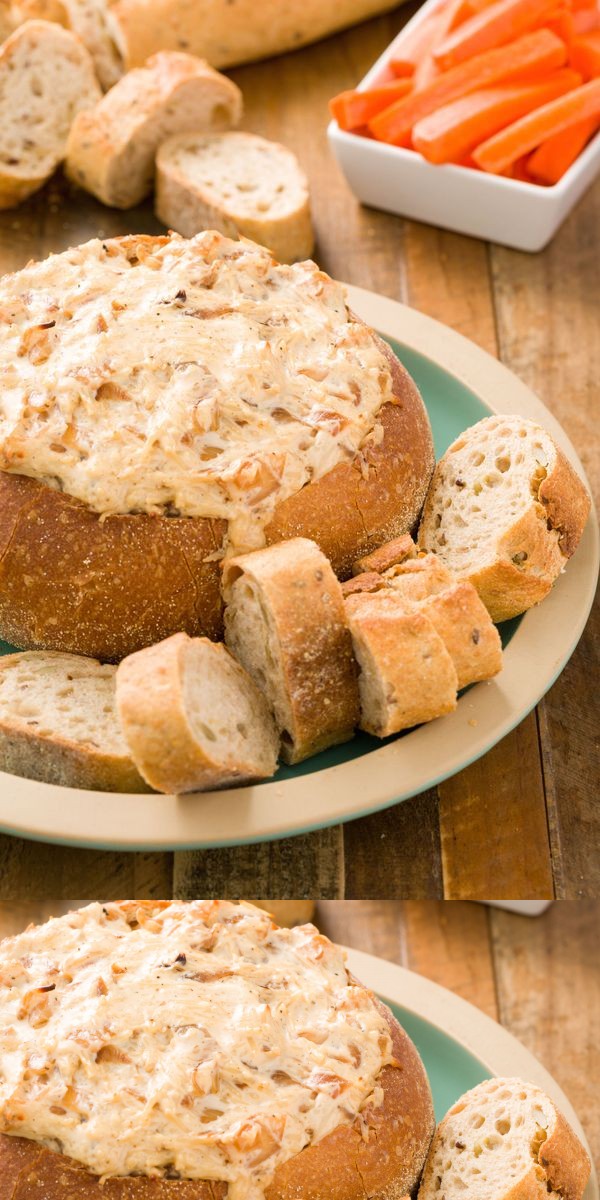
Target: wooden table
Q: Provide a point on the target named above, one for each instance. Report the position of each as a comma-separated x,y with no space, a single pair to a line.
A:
524,821
537,976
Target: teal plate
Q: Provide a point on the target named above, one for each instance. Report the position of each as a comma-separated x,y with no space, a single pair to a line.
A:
451,1068
460,384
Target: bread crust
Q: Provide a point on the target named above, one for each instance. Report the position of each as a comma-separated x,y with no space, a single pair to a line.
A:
72,581
547,535
64,763
154,720
229,34
342,1166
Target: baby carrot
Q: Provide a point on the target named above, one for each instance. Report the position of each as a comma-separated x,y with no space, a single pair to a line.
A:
584,54
412,46
448,134
499,151
532,55
585,20
352,109
495,26
553,158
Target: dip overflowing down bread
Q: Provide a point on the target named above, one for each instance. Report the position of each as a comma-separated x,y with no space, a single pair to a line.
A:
165,403
148,1044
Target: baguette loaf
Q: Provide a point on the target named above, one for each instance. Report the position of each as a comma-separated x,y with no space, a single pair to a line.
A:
160,365
58,723
46,79
505,510
238,183
406,675
228,34
301,1082
112,148
192,717
89,21
284,620
505,1140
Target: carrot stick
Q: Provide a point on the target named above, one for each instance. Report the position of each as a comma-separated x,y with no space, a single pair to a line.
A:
499,151
586,20
553,158
561,23
584,54
495,26
352,109
448,134
578,5
533,55
448,19
412,46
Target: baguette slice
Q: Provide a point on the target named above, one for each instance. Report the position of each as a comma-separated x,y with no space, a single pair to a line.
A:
285,622
88,19
505,1140
505,510
386,556
112,148
238,183
192,717
466,629
46,79
59,724
406,673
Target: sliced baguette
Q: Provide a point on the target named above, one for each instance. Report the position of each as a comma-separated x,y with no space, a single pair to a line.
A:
59,724
505,1140
386,556
406,675
285,622
192,717
112,148
505,510
46,79
88,19
238,183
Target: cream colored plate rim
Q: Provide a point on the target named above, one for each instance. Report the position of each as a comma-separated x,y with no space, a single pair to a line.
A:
493,1045
545,639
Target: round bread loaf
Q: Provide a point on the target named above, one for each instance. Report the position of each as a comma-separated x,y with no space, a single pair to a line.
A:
131,365
377,1148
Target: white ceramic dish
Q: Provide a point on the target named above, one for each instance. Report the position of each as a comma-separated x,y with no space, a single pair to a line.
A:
355,779
515,214
430,1010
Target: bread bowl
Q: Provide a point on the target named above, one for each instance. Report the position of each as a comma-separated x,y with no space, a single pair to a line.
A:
108,543
368,1118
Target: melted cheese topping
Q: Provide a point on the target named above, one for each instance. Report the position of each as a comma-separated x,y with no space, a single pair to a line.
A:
185,1041
191,377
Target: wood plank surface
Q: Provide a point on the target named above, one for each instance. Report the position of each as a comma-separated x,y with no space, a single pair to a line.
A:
523,821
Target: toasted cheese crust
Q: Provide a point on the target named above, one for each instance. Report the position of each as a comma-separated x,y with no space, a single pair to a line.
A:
183,1041
194,378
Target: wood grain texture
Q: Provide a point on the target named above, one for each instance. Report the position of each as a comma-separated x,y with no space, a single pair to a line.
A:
36,872
539,313
307,866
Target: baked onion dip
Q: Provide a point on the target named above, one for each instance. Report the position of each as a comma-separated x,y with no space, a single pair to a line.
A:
195,378
183,1041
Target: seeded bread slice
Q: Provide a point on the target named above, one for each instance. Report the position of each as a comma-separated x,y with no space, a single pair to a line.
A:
285,622
406,675
46,79
505,1140
505,510
59,724
88,19
112,148
238,183
192,717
